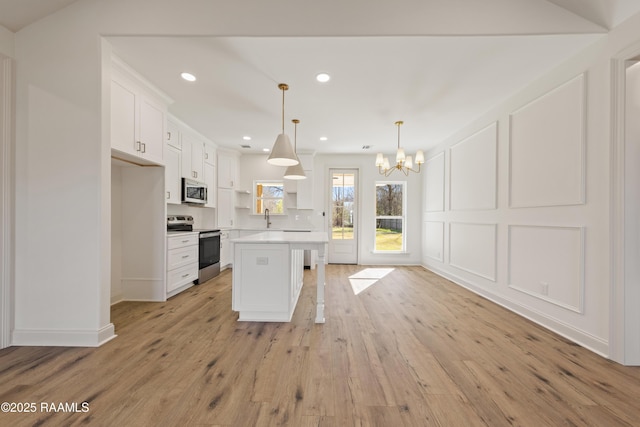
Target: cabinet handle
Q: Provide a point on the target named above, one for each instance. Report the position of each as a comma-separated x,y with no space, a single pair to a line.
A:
185,275
168,194
185,241
139,145
169,136
185,256
206,156
144,147
231,184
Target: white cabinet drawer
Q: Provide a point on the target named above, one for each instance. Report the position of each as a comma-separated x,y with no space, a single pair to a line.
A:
174,242
181,276
181,257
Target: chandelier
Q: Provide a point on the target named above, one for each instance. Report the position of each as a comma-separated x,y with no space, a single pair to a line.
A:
403,163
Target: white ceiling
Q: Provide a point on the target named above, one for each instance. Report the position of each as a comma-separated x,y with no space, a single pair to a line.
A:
438,74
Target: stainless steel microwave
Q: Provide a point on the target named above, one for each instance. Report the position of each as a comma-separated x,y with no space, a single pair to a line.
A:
194,192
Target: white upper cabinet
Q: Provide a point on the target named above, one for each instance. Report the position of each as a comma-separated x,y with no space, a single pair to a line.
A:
174,135
209,154
192,157
210,180
227,169
173,174
138,118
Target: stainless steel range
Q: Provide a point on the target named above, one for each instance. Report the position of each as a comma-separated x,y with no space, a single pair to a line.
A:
208,247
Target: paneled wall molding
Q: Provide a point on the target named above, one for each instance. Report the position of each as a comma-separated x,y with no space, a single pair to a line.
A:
547,263
6,200
547,148
473,171
434,183
434,232
473,248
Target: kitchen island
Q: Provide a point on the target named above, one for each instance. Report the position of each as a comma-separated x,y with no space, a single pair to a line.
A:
268,274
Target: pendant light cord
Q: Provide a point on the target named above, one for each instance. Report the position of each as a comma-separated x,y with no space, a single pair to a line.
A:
283,110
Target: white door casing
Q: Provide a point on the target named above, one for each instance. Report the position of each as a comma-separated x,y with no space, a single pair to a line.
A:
6,199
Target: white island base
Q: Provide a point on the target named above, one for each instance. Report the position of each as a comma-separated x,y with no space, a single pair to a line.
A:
268,270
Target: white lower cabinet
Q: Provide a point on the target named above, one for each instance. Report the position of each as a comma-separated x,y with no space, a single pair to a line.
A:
182,262
225,249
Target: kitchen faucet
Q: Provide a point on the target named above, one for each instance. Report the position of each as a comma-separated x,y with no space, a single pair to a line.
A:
266,216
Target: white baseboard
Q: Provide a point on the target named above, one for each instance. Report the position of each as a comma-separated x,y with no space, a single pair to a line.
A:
63,338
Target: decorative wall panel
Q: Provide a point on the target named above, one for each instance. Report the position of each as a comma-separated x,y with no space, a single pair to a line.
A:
548,263
474,171
547,148
472,247
434,184
434,240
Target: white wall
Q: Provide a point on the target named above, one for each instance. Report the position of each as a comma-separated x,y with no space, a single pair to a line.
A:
546,239
6,42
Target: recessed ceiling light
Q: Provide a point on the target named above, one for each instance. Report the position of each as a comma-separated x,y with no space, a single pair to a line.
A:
246,138
323,77
188,77
323,138
266,150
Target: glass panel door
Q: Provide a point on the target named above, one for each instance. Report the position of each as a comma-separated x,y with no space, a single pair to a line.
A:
343,220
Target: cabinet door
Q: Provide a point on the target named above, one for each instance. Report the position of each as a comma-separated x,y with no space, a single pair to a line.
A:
225,207
225,249
210,180
192,158
197,159
123,113
209,154
173,135
173,175
227,165
151,130
186,171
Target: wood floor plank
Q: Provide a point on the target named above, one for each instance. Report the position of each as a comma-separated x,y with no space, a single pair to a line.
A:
412,349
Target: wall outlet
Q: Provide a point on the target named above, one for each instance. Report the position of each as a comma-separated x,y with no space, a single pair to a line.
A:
544,288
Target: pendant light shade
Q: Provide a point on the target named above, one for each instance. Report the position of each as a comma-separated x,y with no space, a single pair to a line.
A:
282,154
295,171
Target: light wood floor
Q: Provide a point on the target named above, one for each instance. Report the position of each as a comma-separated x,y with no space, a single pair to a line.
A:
413,349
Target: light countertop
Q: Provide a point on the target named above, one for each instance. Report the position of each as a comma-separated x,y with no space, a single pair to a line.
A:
278,236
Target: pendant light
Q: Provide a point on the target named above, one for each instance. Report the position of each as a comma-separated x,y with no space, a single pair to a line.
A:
404,163
295,171
282,154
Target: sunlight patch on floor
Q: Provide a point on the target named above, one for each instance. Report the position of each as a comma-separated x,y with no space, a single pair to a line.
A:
367,277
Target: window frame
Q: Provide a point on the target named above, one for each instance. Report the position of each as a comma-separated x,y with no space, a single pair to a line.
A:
254,207
402,217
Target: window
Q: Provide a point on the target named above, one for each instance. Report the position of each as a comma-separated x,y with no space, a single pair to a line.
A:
390,220
269,195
